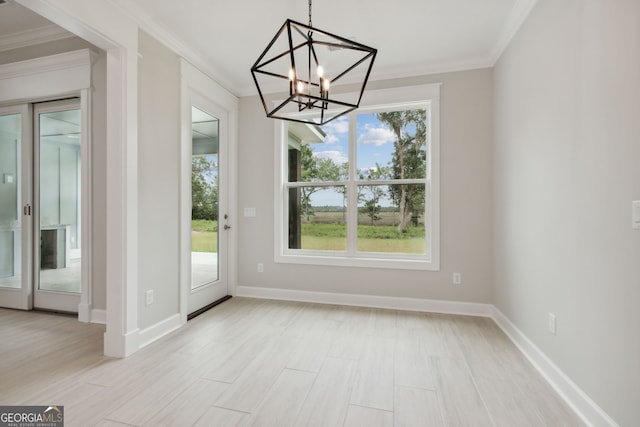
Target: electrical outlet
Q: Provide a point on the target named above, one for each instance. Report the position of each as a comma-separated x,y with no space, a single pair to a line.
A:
260,267
552,323
457,278
149,297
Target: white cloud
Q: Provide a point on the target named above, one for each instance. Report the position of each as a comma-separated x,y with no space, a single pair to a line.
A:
339,125
337,156
331,139
377,136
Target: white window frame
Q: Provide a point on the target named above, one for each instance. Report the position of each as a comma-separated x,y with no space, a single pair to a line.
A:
404,98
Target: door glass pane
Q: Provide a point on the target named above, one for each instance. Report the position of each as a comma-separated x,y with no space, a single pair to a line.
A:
10,201
204,199
60,204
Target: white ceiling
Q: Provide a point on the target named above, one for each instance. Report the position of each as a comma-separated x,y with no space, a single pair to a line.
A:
413,37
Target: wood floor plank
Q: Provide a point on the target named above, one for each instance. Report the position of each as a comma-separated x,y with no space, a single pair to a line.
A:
506,403
384,323
374,386
313,348
189,406
360,416
328,400
412,364
228,362
221,417
281,406
108,423
480,354
461,403
417,407
346,344
246,393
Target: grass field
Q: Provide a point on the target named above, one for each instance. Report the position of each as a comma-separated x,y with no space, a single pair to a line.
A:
327,236
371,238
204,235
204,241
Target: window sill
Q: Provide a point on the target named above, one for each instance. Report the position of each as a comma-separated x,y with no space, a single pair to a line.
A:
383,260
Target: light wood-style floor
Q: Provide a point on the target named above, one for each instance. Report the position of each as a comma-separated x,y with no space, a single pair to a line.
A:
271,363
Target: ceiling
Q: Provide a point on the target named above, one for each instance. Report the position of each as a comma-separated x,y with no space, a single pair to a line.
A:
413,37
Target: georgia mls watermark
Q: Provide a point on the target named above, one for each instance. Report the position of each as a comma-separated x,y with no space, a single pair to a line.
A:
31,416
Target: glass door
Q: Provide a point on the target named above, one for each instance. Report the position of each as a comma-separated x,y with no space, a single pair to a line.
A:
208,219
15,207
58,213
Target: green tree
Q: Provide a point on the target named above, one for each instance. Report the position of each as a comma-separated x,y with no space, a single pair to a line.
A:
315,169
374,192
408,161
204,188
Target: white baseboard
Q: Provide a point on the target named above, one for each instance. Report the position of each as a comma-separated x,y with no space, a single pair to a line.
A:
159,330
373,301
84,313
120,345
577,399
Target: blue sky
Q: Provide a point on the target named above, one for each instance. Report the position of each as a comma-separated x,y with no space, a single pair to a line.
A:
374,145
375,141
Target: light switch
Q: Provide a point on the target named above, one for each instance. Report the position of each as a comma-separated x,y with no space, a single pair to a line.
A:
635,214
249,212
8,178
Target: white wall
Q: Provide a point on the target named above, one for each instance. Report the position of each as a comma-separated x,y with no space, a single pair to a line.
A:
158,180
466,232
565,172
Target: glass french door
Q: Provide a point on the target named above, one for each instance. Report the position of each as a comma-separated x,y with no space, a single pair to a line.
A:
15,215
40,206
209,223
57,211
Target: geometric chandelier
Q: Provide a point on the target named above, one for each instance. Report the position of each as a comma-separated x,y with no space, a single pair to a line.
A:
296,75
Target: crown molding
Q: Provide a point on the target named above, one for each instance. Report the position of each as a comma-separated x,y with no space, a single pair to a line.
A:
157,31
32,37
390,73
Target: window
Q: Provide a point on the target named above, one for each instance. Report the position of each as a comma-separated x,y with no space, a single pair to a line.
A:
362,190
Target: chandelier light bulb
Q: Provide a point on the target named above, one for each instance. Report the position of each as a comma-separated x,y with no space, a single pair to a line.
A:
326,84
300,87
292,74
320,71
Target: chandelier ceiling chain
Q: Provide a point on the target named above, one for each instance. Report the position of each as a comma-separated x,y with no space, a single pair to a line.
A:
310,61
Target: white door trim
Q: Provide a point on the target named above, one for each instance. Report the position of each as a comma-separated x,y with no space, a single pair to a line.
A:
109,28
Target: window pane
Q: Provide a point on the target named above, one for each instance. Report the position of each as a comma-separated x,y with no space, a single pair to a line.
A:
318,153
317,218
204,198
10,201
391,145
391,218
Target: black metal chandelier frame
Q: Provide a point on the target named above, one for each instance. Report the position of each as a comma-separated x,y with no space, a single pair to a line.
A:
304,93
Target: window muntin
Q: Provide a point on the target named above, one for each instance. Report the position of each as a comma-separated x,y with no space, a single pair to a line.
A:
365,181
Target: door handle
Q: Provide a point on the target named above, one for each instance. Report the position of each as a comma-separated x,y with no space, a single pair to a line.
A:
227,227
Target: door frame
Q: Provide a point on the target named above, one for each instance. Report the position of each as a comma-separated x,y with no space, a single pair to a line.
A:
199,90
